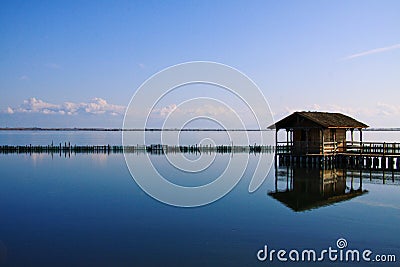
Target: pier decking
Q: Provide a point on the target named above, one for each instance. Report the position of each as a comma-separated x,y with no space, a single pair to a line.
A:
350,154
319,139
67,148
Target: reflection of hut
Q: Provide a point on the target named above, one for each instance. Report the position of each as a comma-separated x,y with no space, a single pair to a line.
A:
315,133
313,188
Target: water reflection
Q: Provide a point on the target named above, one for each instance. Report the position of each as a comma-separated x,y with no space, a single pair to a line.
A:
74,209
304,188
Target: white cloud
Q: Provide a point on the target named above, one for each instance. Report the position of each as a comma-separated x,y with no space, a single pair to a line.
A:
95,106
24,78
165,111
373,51
388,109
9,110
100,106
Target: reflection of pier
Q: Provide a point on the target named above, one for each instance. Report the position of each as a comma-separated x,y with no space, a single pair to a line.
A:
67,149
308,188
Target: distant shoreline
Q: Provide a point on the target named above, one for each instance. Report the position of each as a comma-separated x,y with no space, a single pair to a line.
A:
120,129
158,129
383,129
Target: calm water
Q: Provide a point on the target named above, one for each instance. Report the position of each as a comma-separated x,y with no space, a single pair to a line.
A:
87,210
114,138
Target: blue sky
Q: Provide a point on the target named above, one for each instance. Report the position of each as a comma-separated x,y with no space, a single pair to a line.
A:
304,55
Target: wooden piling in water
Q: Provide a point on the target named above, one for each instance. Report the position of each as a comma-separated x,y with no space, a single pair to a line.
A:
67,148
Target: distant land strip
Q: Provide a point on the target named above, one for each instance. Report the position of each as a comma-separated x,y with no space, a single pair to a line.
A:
159,129
382,129
120,129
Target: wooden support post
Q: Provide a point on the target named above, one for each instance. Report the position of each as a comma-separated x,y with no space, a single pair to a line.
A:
276,150
376,162
307,140
334,141
322,139
391,163
287,178
383,162
287,140
291,136
352,135
276,177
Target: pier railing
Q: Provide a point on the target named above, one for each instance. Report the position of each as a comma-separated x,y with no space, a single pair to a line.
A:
373,148
335,148
304,147
284,148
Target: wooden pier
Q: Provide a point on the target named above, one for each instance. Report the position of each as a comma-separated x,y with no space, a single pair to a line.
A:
319,139
352,154
67,148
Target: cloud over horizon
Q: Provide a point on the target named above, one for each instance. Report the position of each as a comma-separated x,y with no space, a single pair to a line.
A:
379,115
94,106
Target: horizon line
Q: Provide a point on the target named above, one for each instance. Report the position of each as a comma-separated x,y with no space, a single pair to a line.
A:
105,129
118,129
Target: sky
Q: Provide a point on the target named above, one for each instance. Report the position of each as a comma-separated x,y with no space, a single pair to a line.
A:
78,63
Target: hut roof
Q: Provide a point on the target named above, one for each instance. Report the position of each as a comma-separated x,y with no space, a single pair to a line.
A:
303,202
319,119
